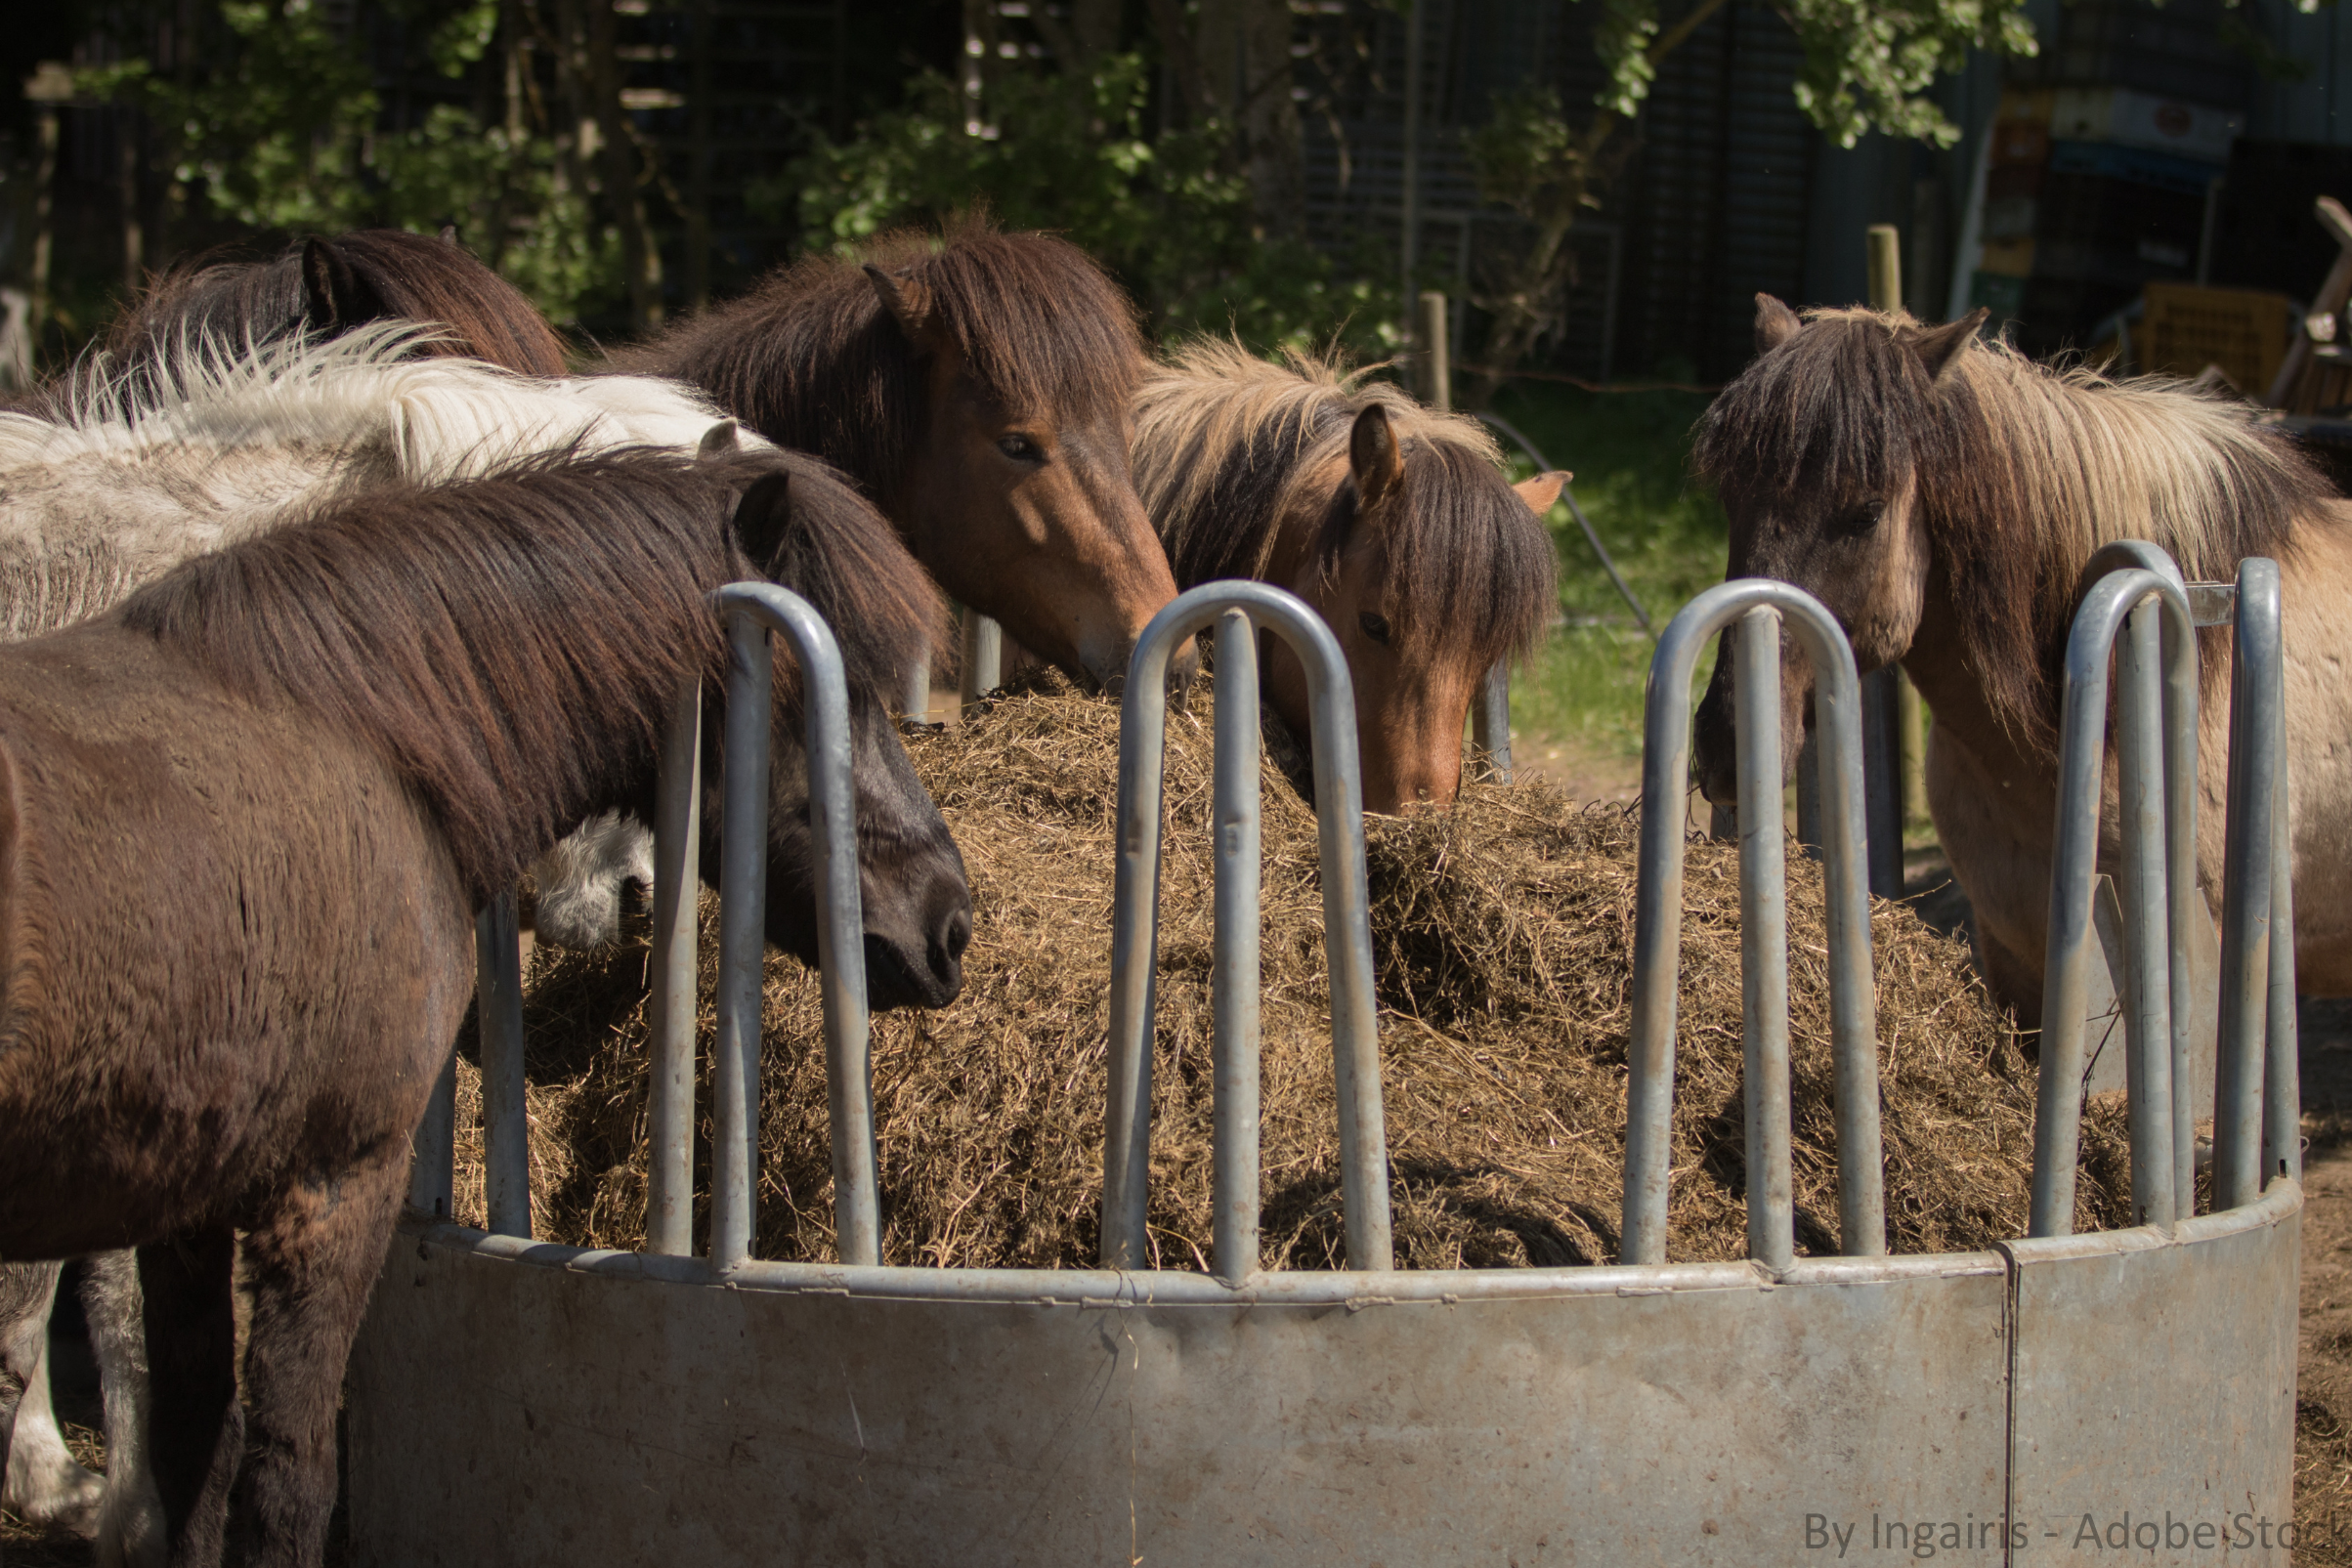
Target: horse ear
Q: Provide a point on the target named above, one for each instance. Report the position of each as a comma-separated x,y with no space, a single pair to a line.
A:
763,517
331,293
1543,490
448,233
724,437
1374,458
1776,323
908,304
1939,347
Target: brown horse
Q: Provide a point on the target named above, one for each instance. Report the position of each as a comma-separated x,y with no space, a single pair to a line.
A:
1941,496
1395,521
327,287
977,388
248,814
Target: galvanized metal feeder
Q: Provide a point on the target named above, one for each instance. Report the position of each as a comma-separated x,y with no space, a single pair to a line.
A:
518,1402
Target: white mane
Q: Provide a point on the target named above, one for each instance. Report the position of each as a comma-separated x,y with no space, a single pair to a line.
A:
136,469
436,418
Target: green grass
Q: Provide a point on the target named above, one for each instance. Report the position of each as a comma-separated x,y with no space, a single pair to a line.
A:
1630,452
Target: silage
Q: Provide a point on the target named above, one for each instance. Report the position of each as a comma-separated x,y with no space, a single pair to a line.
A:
1503,929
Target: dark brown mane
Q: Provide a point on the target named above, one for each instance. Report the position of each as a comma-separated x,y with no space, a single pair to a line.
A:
398,275
513,642
1228,446
811,360
2023,470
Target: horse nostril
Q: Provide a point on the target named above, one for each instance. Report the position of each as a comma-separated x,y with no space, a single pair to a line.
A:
959,935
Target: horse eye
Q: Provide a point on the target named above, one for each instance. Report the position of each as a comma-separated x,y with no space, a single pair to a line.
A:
1375,628
1020,449
1864,517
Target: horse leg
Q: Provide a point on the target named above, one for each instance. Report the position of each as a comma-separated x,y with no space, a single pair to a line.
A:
130,1524
311,1264
44,1485
195,1429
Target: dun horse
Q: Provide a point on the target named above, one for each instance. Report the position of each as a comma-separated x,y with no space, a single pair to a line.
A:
1941,496
324,287
1392,520
390,709
978,390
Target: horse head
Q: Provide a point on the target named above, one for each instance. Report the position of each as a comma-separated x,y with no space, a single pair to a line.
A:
803,527
1817,452
1428,567
1020,497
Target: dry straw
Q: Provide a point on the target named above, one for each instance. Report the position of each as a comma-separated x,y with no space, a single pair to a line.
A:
1503,928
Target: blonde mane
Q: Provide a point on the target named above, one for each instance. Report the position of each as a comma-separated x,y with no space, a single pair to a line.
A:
2023,470
1233,452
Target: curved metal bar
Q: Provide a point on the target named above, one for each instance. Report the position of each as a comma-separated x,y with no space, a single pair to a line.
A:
2184,903
2257,762
2083,724
1659,908
1764,944
498,1019
1346,925
671,1011
754,610
1233,979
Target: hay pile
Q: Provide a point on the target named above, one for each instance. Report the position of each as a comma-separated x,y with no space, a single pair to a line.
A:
1503,928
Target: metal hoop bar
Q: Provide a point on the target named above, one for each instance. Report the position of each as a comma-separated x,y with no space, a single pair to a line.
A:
1233,982
1658,907
2282,1095
678,874
754,610
505,1119
915,695
432,1176
1346,926
2083,727
2143,886
1490,723
2183,903
2257,760
1764,943
983,659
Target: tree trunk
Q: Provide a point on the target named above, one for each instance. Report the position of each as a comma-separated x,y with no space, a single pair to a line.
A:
639,260
1234,64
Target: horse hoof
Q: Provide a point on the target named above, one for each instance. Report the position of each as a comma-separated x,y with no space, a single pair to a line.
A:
69,1501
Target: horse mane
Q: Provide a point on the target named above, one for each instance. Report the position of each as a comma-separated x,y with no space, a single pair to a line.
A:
2023,470
412,278
432,418
1228,446
513,643
811,359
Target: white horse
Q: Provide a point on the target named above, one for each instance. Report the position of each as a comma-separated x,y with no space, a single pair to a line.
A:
113,480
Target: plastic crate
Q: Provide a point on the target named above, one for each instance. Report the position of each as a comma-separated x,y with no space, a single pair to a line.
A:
2242,330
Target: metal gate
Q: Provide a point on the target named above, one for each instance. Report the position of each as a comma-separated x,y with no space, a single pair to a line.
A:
522,1402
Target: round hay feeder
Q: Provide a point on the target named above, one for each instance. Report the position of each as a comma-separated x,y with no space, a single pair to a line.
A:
521,1402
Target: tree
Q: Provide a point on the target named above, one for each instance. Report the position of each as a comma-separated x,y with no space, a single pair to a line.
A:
1068,150
1867,65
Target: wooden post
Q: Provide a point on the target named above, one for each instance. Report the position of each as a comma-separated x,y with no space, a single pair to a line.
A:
1436,353
1889,762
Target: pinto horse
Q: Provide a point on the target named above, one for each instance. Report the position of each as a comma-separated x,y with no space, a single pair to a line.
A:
390,708
1942,495
1392,520
977,388
323,287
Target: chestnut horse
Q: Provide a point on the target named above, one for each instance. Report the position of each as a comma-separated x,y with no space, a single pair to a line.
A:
1941,496
977,387
389,709
1395,521
325,287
